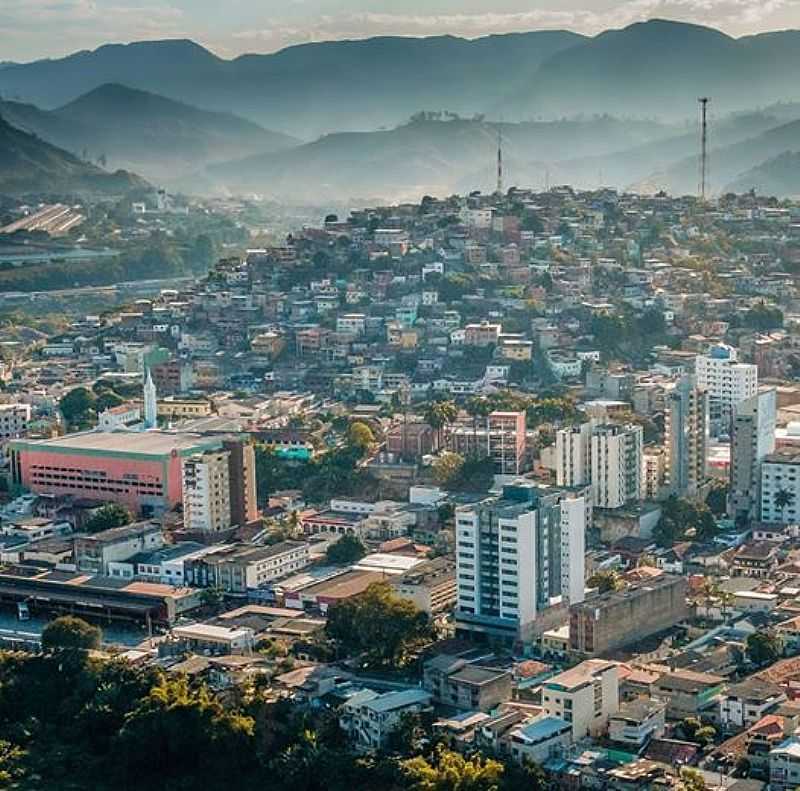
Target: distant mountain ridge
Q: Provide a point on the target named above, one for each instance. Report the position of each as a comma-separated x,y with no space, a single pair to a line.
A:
426,156
154,136
777,176
308,89
616,109
649,69
29,164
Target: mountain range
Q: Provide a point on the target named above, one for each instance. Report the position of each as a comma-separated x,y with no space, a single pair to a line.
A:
159,138
649,69
618,109
659,68
305,90
28,164
427,156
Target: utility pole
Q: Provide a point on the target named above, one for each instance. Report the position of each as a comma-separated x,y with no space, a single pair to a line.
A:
703,101
499,160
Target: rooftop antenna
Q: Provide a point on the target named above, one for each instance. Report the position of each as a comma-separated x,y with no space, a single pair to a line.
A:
703,101
499,160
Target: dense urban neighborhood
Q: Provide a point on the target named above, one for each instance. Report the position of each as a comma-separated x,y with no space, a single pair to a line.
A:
488,492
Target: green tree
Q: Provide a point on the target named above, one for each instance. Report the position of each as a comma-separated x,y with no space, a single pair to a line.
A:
409,736
439,414
178,729
446,770
447,467
764,647
109,516
690,780
77,406
107,399
681,520
360,436
377,625
11,758
717,498
68,633
606,581
693,730
348,549
477,407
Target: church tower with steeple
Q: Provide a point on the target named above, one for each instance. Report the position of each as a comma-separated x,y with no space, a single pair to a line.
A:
150,402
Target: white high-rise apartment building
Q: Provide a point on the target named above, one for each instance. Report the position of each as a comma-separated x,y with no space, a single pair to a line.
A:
517,556
780,487
753,438
616,464
573,460
686,429
206,491
609,457
728,383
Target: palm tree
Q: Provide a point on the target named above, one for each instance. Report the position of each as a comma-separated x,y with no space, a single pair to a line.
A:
783,499
438,414
449,412
434,418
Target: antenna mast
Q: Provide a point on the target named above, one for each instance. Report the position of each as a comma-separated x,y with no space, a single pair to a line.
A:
704,100
499,160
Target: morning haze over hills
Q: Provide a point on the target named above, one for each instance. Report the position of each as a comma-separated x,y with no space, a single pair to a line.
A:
344,118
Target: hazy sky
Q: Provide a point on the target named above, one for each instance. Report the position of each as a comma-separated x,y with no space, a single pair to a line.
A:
32,29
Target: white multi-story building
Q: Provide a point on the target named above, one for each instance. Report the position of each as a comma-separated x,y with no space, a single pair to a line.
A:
585,696
14,419
752,439
516,557
369,717
728,383
573,455
686,430
784,765
573,548
616,464
780,486
609,457
206,491
540,740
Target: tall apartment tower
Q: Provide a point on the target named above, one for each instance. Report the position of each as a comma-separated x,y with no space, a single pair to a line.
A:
609,457
517,556
728,383
686,429
573,459
752,438
207,492
616,459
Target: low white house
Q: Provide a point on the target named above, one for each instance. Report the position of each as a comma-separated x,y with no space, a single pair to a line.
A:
369,717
